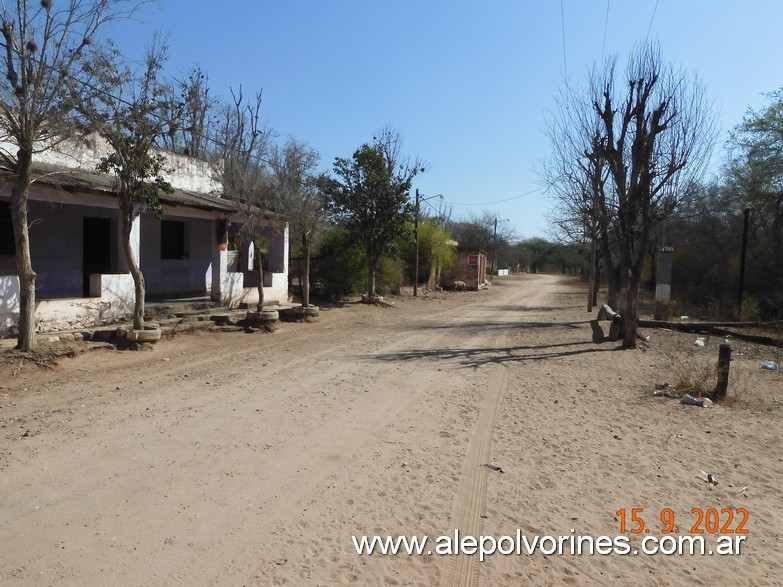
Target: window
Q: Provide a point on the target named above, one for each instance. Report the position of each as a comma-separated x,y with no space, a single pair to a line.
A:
7,244
473,260
172,240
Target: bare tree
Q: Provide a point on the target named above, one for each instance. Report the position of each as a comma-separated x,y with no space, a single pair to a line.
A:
130,112
42,49
242,166
641,142
389,142
576,180
299,196
195,108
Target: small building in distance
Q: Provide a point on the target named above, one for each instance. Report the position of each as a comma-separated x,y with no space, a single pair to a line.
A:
470,267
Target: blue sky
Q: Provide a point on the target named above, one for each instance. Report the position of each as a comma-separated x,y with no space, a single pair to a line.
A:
467,84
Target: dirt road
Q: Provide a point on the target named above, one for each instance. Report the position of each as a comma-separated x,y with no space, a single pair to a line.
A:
253,459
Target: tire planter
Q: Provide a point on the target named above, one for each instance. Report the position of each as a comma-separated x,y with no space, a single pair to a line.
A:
143,335
263,316
269,315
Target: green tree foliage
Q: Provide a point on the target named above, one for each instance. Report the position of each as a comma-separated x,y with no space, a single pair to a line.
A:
340,268
370,198
754,179
437,250
129,112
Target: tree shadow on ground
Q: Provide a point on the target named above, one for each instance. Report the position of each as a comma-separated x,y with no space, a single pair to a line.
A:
434,326
476,357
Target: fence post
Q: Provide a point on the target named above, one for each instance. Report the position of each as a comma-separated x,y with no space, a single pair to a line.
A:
724,361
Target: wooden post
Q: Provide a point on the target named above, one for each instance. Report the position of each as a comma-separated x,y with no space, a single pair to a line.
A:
724,361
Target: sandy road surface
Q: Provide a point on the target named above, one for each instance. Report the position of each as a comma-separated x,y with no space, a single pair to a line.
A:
253,459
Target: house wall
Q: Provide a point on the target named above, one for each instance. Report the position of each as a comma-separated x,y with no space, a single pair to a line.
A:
188,275
57,246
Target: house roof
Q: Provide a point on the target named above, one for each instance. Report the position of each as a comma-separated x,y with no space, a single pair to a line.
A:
79,180
74,181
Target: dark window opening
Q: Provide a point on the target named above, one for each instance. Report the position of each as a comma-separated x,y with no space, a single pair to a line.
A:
172,240
7,244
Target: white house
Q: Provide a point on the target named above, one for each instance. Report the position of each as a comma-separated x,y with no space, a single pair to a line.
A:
76,243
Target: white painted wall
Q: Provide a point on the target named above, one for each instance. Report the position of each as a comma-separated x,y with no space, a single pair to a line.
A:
182,172
115,302
9,303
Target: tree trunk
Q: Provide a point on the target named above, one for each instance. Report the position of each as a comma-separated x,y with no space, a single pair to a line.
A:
24,267
434,278
260,305
372,266
305,279
630,311
613,284
133,266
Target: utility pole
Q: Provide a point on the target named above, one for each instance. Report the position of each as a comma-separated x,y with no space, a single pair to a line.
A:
416,230
419,199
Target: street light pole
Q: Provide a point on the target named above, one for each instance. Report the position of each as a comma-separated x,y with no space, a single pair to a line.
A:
495,246
419,199
416,232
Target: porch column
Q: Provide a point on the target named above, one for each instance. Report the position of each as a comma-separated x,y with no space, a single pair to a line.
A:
219,273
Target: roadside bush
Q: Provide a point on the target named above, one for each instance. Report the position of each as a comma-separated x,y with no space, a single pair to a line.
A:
340,268
389,276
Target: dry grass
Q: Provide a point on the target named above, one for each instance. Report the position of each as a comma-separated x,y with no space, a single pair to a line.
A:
696,373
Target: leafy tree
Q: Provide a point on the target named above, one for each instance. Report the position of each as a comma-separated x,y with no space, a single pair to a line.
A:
40,85
340,267
754,179
438,250
644,138
371,199
129,112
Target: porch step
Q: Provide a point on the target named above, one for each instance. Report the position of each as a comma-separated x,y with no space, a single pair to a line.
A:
171,318
155,309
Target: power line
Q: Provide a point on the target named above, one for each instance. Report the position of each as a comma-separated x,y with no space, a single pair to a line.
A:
562,26
649,28
497,201
606,24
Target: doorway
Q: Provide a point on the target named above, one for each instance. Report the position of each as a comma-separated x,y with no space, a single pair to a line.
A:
96,255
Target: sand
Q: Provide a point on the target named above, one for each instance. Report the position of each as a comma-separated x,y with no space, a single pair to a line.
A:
252,459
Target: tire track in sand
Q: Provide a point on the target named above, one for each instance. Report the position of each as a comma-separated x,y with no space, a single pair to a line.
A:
470,501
